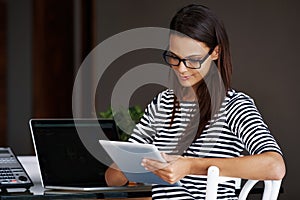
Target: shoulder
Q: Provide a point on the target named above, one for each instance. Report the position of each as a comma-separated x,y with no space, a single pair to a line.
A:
236,97
238,102
165,96
241,112
162,100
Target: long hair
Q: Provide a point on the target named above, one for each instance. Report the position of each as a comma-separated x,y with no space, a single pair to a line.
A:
201,24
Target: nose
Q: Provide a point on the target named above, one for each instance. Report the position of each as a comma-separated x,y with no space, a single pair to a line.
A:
181,68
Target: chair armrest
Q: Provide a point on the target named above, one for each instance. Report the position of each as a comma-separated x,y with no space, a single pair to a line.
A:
271,189
212,183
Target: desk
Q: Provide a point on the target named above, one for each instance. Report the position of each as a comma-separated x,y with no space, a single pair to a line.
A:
37,192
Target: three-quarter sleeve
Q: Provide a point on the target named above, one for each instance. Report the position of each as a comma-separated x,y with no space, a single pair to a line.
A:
247,124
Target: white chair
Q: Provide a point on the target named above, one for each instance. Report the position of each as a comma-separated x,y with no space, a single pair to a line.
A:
271,187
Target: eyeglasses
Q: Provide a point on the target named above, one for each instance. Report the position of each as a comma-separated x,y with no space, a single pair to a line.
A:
191,62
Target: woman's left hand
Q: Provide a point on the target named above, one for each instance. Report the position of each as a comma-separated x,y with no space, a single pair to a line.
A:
175,168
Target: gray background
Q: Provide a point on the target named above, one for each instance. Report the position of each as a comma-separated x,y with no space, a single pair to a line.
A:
265,44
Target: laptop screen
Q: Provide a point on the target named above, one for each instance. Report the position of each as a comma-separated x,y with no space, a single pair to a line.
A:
62,156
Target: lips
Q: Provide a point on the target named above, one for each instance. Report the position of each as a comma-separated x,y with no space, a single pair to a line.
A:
185,77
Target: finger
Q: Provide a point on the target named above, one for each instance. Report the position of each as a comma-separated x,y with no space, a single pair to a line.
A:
153,165
162,170
170,178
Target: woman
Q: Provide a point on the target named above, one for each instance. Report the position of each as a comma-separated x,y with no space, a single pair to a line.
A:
204,122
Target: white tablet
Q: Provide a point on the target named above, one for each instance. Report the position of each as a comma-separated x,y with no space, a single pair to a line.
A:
128,157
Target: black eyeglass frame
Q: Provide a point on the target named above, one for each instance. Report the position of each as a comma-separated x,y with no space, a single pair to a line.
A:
185,59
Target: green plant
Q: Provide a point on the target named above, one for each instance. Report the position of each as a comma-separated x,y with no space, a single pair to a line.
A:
125,125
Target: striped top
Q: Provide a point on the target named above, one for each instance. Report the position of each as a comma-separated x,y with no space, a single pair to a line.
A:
237,127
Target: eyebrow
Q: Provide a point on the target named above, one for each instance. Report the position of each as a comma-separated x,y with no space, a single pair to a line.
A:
189,56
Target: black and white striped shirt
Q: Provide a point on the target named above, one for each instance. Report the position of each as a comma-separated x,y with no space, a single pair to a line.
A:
237,127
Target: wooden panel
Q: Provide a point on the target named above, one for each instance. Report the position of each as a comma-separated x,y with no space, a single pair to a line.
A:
3,54
53,59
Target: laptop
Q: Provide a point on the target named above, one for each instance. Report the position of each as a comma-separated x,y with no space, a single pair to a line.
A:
64,161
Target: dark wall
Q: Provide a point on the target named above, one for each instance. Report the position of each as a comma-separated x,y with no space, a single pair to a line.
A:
3,60
19,66
264,38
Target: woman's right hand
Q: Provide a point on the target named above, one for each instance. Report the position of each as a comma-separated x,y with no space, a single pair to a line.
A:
114,177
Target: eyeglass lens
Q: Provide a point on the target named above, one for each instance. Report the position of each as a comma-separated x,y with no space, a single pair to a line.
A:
174,60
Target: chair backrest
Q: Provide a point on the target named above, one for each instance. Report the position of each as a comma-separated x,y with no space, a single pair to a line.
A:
271,187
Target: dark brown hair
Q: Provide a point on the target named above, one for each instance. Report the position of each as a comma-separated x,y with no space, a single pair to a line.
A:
201,24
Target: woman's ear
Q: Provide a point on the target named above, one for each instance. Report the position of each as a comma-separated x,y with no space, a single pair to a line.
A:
215,54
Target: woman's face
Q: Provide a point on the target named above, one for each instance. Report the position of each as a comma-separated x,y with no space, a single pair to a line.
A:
185,48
